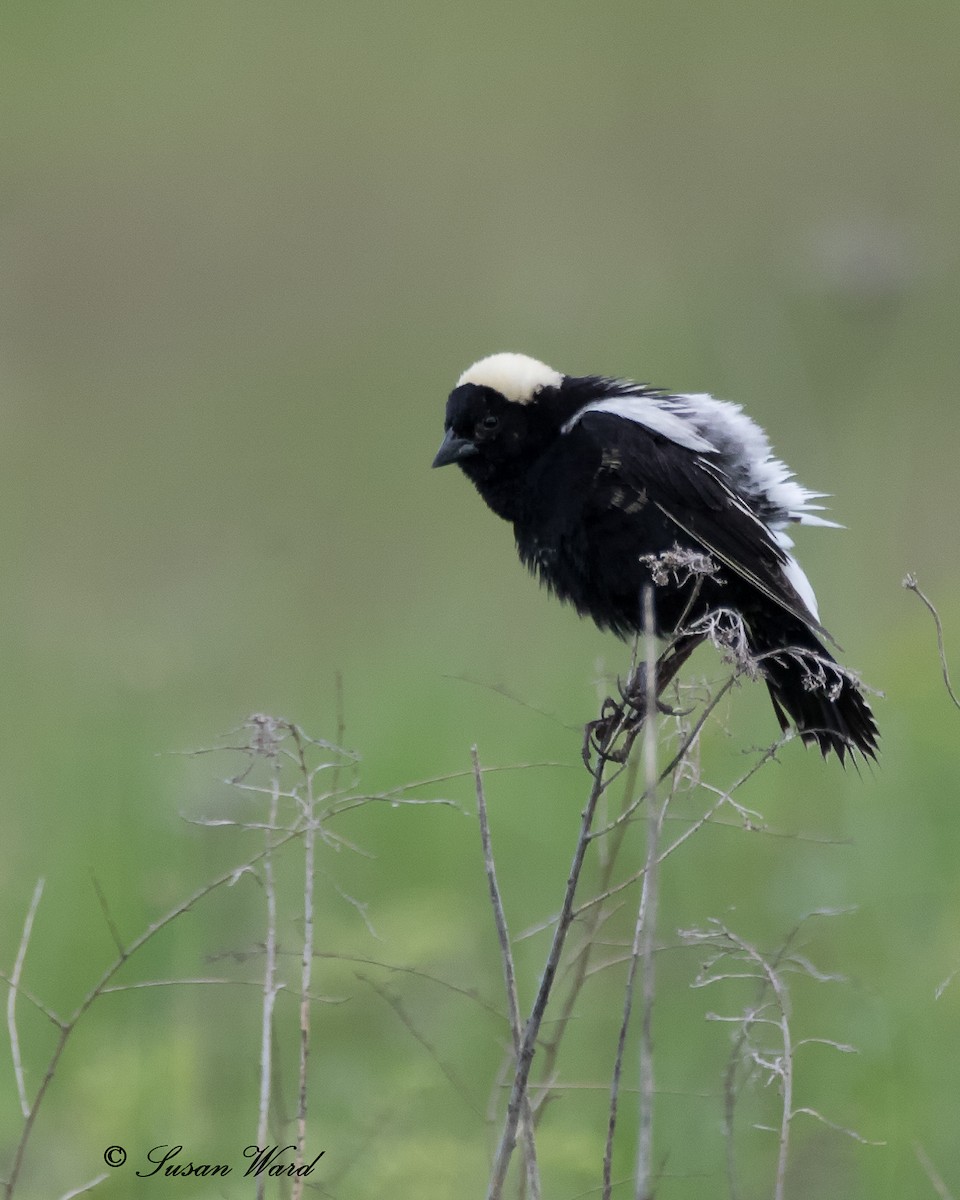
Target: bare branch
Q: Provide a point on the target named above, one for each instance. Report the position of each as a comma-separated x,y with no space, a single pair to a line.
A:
910,583
67,1027
306,963
107,916
144,984
509,973
37,1003
945,983
783,1067
12,997
469,993
931,1173
776,1062
724,798
270,985
86,1187
608,850
850,1133
645,933
564,921
405,1019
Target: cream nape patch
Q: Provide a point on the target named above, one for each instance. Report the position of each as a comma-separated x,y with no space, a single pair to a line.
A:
517,377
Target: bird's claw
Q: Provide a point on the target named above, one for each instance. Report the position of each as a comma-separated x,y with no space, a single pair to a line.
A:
617,722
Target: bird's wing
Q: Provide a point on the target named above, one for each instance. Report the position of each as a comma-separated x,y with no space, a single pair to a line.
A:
696,495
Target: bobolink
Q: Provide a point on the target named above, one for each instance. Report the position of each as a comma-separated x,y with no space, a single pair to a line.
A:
612,486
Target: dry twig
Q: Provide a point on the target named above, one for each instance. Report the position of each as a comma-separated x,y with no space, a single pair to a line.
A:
910,583
509,975
12,998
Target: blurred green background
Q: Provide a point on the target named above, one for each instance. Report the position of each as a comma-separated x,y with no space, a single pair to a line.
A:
246,250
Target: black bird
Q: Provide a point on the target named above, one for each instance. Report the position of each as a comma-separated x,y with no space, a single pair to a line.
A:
612,485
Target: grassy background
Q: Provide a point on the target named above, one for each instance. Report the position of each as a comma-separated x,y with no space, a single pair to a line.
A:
246,249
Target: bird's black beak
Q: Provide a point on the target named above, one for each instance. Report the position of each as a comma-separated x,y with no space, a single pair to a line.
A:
453,448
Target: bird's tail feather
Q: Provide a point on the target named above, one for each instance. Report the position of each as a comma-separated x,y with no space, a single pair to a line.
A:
811,691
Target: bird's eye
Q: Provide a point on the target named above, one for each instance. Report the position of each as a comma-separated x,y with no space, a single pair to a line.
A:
489,423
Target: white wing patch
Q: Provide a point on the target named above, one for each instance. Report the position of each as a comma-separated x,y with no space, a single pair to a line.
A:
516,377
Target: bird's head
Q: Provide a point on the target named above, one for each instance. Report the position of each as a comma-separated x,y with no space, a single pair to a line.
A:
499,412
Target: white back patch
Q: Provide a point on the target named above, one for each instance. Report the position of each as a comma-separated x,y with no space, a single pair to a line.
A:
745,454
652,412
516,377
700,422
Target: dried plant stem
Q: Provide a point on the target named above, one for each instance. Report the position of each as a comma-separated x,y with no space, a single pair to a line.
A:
910,583
396,1004
509,975
309,845
730,1076
723,799
12,998
608,741
85,1187
769,1010
931,1172
645,935
532,1027
608,847
643,948
786,1061
66,1027
767,970
270,986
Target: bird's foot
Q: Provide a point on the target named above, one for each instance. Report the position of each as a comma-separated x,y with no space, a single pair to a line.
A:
600,735
611,736
634,701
